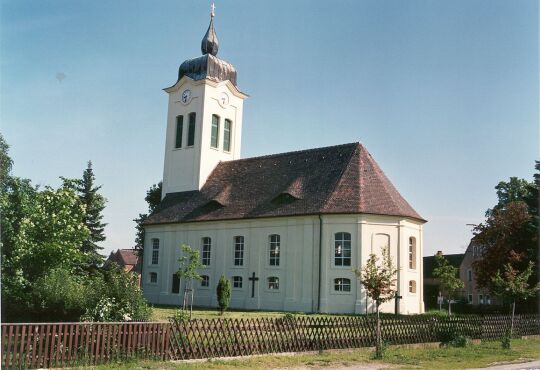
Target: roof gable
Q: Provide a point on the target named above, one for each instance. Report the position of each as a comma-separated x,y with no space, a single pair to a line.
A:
337,179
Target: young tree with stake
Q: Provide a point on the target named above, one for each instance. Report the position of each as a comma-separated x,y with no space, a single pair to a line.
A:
380,285
189,263
448,279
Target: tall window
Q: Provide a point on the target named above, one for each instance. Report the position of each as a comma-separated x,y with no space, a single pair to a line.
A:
412,253
412,286
191,129
153,277
470,298
227,129
205,281
237,282
206,250
155,251
274,244
273,283
342,285
481,299
238,250
342,249
469,275
214,139
179,131
175,284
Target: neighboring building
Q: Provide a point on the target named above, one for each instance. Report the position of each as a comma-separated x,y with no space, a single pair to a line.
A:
431,284
128,260
287,229
471,292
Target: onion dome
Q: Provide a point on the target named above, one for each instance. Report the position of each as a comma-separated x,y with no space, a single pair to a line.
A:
208,65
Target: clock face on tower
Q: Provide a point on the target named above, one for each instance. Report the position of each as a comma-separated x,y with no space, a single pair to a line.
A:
223,99
186,96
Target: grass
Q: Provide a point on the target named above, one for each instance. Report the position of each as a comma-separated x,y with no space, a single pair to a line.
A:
403,357
162,313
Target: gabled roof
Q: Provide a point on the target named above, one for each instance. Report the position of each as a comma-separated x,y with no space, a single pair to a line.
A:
124,257
429,263
341,179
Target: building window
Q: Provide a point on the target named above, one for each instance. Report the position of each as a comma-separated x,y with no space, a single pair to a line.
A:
488,299
227,130
238,250
469,275
274,244
273,283
412,253
470,298
412,286
179,131
481,299
342,249
237,282
191,129
206,250
205,281
153,277
175,284
214,138
342,285
155,251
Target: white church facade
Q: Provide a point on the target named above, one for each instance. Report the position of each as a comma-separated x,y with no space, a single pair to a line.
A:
286,229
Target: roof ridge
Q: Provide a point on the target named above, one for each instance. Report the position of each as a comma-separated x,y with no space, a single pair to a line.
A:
292,152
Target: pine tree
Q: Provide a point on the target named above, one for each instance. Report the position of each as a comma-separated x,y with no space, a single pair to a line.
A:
94,203
153,198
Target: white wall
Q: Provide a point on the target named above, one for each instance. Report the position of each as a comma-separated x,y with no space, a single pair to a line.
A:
299,267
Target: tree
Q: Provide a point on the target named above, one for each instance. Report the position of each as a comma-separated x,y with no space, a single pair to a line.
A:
512,191
5,161
153,198
513,285
189,264
379,282
448,276
505,237
223,291
94,205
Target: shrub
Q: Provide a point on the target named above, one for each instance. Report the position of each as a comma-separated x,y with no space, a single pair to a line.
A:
180,316
223,291
460,341
505,340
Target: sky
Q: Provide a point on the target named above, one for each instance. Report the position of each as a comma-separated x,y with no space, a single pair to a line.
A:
444,94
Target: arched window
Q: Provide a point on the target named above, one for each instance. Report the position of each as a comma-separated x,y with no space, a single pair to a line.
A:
206,250
237,282
179,131
153,277
205,281
214,138
412,286
342,285
155,251
191,129
274,245
227,134
238,250
412,253
273,283
342,249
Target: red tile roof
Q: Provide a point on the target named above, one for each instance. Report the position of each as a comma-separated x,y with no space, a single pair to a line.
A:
341,179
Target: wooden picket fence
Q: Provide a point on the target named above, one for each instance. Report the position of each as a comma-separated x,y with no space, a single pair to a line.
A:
30,346
46,345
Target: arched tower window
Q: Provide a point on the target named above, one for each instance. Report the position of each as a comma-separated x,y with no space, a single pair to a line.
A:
227,133
214,139
342,249
191,129
412,253
179,131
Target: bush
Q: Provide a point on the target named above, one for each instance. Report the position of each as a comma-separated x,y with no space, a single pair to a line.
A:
460,341
223,291
114,295
505,340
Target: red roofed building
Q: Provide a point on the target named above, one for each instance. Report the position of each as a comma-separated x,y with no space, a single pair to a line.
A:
287,229
128,260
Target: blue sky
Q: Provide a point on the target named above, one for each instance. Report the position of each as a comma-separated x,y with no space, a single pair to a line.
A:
444,94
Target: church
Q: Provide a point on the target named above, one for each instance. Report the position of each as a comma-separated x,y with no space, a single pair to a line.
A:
286,229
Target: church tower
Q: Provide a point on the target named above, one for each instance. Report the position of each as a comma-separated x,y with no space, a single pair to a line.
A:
204,120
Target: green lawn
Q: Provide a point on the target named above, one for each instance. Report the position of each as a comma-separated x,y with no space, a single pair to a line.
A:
162,313
403,357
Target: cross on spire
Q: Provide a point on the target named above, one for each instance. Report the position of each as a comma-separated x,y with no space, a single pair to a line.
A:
212,10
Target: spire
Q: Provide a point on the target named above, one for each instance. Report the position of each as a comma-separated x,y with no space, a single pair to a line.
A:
209,44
